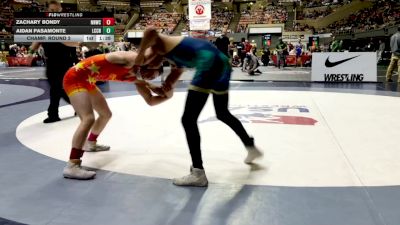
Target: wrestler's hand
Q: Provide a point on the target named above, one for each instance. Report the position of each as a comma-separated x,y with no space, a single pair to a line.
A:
156,89
169,93
141,82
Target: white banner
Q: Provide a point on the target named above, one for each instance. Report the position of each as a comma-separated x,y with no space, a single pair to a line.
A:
265,30
185,33
199,9
344,67
200,24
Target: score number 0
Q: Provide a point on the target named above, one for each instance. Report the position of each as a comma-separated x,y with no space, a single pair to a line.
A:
108,21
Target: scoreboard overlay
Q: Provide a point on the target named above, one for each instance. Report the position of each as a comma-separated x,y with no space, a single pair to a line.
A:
64,27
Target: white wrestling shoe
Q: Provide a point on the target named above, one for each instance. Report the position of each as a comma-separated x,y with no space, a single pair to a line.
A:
73,170
92,146
252,153
197,178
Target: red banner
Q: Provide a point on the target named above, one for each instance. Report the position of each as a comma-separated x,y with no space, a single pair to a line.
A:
20,61
291,59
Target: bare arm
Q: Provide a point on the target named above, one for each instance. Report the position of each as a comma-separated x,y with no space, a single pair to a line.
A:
150,38
34,46
71,44
120,57
152,58
172,78
151,100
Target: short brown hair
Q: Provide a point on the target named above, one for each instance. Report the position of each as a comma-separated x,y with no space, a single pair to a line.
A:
54,2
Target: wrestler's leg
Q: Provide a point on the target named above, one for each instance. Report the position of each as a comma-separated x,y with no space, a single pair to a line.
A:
195,102
223,114
100,105
83,107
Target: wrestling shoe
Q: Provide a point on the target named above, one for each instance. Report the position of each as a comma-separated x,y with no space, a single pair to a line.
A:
197,178
51,119
73,170
252,153
92,146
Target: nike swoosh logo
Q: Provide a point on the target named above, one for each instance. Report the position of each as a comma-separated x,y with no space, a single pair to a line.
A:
332,64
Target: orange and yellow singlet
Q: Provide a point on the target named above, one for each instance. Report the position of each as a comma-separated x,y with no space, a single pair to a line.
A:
83,76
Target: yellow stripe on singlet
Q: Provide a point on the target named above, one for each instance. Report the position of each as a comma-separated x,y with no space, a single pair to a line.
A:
83,90
207,91
76,91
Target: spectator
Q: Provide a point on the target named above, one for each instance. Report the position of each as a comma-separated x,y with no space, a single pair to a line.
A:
381,49
370,46
236,61
84,50
315,14
264,15
395,48
252,64
265,56
222,43
381,14
335,45
13,50
281,47
60,57
247,46
241,50
231,47
163,21
299,52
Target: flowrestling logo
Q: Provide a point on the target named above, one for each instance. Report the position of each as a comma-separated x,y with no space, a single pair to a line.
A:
270,114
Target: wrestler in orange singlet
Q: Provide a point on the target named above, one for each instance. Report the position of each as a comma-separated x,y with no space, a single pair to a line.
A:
80,86
83,76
